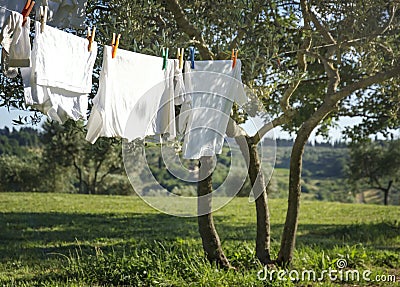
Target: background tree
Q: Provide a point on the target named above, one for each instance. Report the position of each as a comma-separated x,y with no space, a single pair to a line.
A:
376,164
65,146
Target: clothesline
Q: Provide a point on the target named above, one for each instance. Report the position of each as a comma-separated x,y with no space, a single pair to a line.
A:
135,99
2,7
276,56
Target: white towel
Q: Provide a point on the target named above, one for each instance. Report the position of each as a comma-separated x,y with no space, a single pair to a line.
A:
60,78
214,86
16,45
135,97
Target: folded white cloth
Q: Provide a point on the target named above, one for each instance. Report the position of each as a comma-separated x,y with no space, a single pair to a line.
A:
213,86
60,78
14,39
135,97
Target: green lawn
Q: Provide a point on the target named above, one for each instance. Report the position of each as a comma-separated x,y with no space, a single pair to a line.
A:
79,240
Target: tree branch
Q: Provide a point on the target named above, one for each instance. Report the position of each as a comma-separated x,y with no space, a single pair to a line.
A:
233,130
188,28
282,119
330,70
321,28
390,21
366,82
285,101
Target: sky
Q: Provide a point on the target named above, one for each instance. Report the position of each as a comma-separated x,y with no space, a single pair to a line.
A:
6,117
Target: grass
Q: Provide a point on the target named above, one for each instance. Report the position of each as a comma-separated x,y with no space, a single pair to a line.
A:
80,240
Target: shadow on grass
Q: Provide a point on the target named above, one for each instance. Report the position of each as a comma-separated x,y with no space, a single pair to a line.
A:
38,234
380,235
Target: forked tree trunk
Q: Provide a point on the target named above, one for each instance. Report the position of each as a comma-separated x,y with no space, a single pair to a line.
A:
209,236
257,180
288,242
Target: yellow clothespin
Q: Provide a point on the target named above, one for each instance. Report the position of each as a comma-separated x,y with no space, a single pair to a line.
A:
43,17
234,57
90,37
115,44
179,56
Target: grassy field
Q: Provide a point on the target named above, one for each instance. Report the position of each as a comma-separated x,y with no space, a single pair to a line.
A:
78,240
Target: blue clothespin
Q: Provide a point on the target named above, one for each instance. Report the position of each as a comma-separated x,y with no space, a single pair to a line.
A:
165,57
191,57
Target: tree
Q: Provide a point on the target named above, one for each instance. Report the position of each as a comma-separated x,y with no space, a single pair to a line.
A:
65,146
375,163
328,64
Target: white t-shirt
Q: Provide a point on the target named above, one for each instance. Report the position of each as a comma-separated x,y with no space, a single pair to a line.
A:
135,97
213,87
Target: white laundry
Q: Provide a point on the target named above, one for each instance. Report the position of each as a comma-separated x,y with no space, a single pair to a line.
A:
214,86
16,46
62,13
60,77
135,97
13,5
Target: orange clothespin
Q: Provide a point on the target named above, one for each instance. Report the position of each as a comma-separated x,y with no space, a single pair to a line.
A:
179,55
90,37
115,44
27,10
234,57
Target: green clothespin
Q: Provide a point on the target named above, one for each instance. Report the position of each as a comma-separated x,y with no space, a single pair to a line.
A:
165,57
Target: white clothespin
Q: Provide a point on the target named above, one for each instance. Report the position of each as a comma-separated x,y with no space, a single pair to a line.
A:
43,15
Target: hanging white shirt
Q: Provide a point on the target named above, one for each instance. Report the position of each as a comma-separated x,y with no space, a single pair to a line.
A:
60,77
213,86
135,97
16,45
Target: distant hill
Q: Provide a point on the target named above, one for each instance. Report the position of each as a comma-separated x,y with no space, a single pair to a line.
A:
323,176
14,142
321,160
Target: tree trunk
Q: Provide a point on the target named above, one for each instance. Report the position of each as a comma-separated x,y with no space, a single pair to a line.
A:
288,242
248,147
80,177
386,191
263,218
209,236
